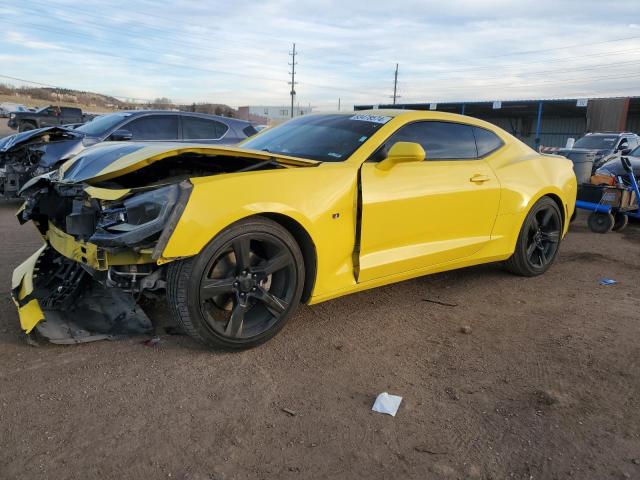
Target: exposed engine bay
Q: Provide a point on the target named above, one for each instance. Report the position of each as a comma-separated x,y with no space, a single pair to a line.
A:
32,153
105,239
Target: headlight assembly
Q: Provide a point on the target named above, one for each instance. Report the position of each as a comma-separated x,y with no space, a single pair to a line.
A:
138,218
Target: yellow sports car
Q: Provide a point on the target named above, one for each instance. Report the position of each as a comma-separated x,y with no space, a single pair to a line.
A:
319,207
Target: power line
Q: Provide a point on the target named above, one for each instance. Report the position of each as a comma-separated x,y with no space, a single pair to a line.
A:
522,85
564,47
135,23
536,73
192,67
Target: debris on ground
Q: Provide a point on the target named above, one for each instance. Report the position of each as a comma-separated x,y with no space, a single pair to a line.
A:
465,329
547,397
452,394
438,302
607,281
430,450
289,411
151,342
386,403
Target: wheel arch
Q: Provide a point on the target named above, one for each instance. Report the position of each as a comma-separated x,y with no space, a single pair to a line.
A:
557,199
307,247
561,206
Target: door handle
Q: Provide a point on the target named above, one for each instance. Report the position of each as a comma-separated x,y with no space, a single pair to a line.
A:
479,178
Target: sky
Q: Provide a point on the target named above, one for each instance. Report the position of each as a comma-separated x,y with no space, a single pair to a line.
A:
237,52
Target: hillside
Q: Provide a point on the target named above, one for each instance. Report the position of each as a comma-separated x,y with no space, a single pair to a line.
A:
98,103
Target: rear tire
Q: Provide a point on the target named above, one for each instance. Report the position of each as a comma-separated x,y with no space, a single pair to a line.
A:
620,222
241,289
538,241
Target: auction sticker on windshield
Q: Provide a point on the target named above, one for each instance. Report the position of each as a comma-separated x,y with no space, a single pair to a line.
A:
371,118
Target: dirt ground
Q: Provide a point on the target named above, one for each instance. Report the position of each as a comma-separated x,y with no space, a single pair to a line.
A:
4,129
546,385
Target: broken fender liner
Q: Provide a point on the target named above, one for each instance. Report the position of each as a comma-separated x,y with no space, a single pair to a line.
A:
99,313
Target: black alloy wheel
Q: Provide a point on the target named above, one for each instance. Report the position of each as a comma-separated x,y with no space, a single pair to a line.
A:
539,239
241,288
245,288
543,236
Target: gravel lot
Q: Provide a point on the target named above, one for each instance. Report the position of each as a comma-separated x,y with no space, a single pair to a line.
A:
545,385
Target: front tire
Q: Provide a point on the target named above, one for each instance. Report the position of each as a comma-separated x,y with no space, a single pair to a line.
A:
26,126
241,289
538,241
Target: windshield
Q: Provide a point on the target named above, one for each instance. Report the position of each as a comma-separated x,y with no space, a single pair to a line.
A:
328,138
596,142
102,124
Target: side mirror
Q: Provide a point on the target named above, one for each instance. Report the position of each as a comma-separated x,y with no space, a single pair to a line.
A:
625,151
121,135
402,152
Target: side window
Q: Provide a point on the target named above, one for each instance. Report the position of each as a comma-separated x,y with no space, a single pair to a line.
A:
624,143
194,128
154,127
486,141
633,142
440,140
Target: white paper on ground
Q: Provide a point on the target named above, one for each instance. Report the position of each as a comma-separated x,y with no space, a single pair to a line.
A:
386,403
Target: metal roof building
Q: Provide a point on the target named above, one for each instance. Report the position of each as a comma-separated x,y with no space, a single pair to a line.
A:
544,122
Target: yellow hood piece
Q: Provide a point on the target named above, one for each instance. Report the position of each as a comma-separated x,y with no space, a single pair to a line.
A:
147,154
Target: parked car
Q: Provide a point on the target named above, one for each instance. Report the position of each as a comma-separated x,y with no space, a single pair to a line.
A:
315,208
7,108
45,117
33,152
602,145
613,165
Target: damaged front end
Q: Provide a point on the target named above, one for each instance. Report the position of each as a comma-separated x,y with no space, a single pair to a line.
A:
101,255
106,217
29,154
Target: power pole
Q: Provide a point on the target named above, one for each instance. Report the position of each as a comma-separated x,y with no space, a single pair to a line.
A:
293,76
395,85
339,104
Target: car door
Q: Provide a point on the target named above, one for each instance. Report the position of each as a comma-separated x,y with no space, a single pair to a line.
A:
421,214
51,117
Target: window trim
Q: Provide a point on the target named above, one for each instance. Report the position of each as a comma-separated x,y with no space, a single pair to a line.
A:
477,157
184,139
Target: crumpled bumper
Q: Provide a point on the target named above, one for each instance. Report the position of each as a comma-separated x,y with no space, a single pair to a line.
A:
96,312
21,291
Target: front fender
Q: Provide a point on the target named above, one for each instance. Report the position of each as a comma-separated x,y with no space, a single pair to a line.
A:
321,199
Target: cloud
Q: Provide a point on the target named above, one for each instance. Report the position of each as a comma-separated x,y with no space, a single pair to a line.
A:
237,52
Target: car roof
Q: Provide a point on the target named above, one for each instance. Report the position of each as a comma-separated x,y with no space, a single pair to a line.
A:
608,134
418,115
133,113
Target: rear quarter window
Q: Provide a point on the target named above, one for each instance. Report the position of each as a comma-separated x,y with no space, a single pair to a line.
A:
194,128
486,141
